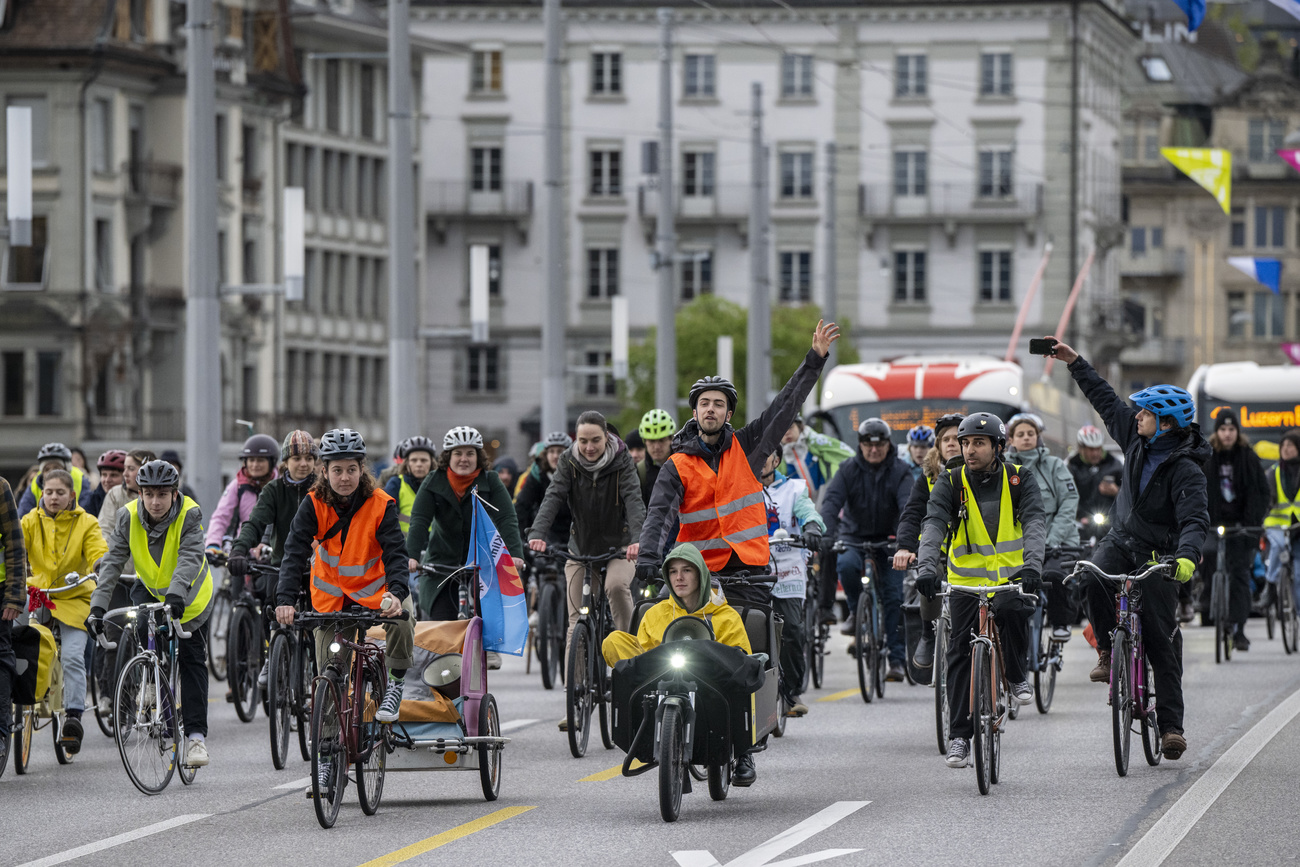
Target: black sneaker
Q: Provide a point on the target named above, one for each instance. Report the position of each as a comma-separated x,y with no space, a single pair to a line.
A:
895,674
1240,642
849,627
744,773
71,736
958,753
923,656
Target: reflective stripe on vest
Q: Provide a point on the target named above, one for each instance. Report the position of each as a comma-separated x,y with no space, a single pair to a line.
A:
77,478
157,576
405,503
724,511
975,558
1284,512
351,567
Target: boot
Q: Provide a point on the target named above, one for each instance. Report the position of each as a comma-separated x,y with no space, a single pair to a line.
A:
1101,674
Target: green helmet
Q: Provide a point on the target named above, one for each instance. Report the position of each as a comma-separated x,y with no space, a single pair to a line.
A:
656,424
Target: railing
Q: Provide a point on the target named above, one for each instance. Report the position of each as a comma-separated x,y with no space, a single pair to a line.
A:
1156,351
724,202
156,182
958,201
460,199
1157,262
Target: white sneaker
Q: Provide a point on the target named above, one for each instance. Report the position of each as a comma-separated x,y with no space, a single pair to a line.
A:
105,705
196,754
493,661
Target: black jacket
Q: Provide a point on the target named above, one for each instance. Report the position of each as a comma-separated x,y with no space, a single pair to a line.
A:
872,496
909,523
648,472
1088,478
1171,514
276,508
606,506
529,500
1252,497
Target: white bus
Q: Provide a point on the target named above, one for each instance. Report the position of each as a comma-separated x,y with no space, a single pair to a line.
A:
1265,398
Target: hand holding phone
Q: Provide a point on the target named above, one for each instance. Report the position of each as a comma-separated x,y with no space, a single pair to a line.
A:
1042,346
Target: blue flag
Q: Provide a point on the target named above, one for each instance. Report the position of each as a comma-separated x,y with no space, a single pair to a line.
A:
1267,272
1195,10
501,591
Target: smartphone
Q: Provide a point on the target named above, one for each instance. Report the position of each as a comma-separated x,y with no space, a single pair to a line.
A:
1042,345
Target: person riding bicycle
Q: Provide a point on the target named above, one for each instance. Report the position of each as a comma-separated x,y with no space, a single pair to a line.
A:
1161,509
162,533
635,446
1284,511
13,602
811,456
506,468
61,538
110,465
657,428
359,559
1238,496
872,490
533,488
991,514
258,458
418,453
1060,498
1097,474
920,439
54,456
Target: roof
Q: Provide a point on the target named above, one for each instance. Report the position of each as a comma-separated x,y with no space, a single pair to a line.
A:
1196,77
57,24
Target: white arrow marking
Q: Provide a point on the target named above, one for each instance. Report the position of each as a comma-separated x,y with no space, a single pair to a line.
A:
761,856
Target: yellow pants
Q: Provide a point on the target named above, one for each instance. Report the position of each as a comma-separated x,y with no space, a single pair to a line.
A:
620,645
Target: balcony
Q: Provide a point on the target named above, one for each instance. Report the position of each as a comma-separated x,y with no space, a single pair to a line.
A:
950,205
151,187
728,205
1155,352
450,201
1161,262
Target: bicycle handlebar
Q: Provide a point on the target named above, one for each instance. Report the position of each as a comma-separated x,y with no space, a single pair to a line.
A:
844,544
1162,568
369,616
987,589
561,551
131,611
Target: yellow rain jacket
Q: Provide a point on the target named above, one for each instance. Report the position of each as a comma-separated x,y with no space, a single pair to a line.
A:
56,545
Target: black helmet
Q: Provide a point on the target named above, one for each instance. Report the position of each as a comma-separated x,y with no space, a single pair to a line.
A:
714,383
54,452
983,424
418,444
874,430
260,446
943,422
342,444
158,474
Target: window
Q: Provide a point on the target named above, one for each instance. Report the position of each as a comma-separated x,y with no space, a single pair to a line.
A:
1151,139
606,73
328,180
333,111
49,383
697,173
378,191
698,81
485,72
485,169
250,257
15,385
25,266
1238,238
796,175
367,107
380,295
1270,227
1137,244
795,281
909,276
482,374
364,287
494,270
1157,69
1264,139
223,272
697,275
221,153
327,384
796,76
293,168
996,173
1130,140
910,75
364,179
1269,309
606,173
910,173
995,75
40,107
104,255
1157,237
601,384
344,188
310,199
248,148
602,272
101,135
995,276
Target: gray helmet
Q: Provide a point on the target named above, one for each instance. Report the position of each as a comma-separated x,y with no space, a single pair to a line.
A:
983,424
557,438
342,444
54,452
158,474
875,430
714,383
464,435
417,444
260,446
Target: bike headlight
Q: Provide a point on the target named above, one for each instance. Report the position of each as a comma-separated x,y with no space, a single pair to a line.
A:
584,610
678,660
335,647
130,615
1219,530
1099,518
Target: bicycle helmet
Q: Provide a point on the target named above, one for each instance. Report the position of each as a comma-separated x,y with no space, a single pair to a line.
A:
874,430
657,424
298,442
983,424
714,383
921,435
463,436
342,444
557,438
1091,436
158,474
418,444
54,452
260,446
943,422
1166,401
113,459
1033,418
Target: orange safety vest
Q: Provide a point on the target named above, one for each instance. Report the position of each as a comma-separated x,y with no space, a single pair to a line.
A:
354,568
722,512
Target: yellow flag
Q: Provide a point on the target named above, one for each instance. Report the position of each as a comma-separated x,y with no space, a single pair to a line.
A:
1209,167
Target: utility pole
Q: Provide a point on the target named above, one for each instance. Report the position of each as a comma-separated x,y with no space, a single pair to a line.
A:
203,416
404,398
666,240
758,353
554,411
831,302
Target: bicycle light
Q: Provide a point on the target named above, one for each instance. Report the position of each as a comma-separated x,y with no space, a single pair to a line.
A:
1219,529
1099,518
335,647
584,610
678,661
130,615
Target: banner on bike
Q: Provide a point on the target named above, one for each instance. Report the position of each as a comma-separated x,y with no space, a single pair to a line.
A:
501,590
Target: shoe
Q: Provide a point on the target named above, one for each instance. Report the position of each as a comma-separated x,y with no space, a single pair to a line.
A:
827,616
1101,674
324,781
797,709
1022,692
392,703
564,724
849,627
744,773
493,661
1240,642
895,673
105,706
265,674
1186,613
958,753
1061,633
1173,745
196,754
923,656
71,736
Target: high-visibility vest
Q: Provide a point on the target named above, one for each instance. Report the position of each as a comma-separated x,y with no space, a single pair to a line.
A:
974,557
722,512
943,546
405,503
1285,512
77,478
157,576
352,568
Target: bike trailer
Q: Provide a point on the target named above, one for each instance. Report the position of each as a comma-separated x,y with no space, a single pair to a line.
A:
37,670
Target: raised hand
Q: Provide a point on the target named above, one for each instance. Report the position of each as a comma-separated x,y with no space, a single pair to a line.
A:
824,335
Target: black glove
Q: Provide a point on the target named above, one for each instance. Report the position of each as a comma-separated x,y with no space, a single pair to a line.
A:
175,605
812,536
648,574
237,565
1030,581
827,549
95,622
928,584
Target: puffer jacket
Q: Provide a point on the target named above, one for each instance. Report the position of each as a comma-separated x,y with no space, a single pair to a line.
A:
56,545
236,504
606,505
1056,489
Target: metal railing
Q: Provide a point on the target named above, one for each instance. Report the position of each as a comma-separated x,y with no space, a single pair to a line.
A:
158,183
959,201
460,199
1158,262
723,202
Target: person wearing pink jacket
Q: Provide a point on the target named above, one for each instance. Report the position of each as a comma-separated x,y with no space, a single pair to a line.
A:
259,455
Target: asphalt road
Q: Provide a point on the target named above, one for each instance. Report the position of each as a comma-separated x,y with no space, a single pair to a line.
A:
870,774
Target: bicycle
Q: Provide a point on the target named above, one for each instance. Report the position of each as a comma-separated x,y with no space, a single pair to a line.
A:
246,645
99,659
223,600
816,634
290,673
343,735
1047,654
1220,593
586,680
870,644
1284,603
552,618
465,600
939,678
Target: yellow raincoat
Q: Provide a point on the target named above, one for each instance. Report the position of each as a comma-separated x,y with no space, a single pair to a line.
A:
56,545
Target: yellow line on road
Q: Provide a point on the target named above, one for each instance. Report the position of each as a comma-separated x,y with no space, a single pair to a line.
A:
613,772
836,696
406,854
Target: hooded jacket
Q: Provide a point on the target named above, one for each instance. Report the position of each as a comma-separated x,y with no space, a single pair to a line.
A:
1056,489
1170,513
605,504
1252,497
235,505
276,506
528,501
56,545
872,497
1088,478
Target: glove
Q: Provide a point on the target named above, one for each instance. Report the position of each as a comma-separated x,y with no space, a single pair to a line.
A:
1185,569
927,584
1030,581
827,549
237,565
175,605
648,574
812,535
95,622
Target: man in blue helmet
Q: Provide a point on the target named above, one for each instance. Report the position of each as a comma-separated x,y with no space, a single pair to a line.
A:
1161,509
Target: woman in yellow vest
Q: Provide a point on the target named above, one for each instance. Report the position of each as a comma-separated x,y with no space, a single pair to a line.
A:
1284,483
61,538
162,532
417,460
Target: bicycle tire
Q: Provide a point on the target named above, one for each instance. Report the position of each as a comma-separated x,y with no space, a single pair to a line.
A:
61,755
184,771
218,635
810,645
578,690
1150,721
304,672
879,642
1219,611
672,763
939,679
326,734
279,698
779,730
372,752
144,738
818,665
864,649
97,662
1287,616
719,781
1045,674
243,662
24,722
1002,704
489,757
982,716
1121,698
602,710
1270,621
549,646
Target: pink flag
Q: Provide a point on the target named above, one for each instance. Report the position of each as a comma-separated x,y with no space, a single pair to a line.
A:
1292,156
1292,351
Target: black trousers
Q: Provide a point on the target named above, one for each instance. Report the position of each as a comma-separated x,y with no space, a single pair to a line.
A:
1013,629
1240,554
1160,633
794,649
193,659
7,665
107,666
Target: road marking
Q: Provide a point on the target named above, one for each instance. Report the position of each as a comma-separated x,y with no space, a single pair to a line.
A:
1164,836
517,724
296,784
836,696
762,855
613,772
117,840
446,837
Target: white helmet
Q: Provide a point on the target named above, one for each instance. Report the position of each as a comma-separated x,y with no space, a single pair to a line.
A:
1091,437
462,436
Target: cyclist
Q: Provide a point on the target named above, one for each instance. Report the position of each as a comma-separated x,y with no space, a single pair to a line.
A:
417,459
13,602
54,456
657,428
999,539
110,465
533,488
442,514
872,490
1161,509
635,446
1097,474
61,538
920,439
508,470
811,456
790,508
162,533
1060,498
1284,488
258,458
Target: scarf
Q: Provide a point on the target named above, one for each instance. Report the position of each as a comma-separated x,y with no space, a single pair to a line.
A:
594,467
461,484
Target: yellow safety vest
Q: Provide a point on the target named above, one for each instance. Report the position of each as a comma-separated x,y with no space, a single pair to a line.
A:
405,503
1285,512
157,577
974,557
77,478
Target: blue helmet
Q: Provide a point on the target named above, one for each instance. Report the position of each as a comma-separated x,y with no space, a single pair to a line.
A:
921,434
1166,401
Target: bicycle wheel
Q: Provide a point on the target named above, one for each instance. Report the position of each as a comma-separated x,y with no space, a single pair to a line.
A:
781,708
1002,704
144,737
304,671
719,781
1270,620
1045,675
672,763
242,662
864,648
97,663
578,690
218,635
184,770
1150,726
61,755
24,722
550,635
1287,616
489,757
818,662
880,642
981,715
372,752
1121,698
810,644
940,682
279,698
1219,611
602,702
329,769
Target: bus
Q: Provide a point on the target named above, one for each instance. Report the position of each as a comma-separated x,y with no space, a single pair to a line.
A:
1266,399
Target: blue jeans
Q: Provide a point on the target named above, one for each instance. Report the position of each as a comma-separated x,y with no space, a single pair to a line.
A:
1276,539
889,594
73,656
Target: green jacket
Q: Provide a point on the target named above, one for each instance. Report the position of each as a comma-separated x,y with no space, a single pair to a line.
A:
276,506
440,524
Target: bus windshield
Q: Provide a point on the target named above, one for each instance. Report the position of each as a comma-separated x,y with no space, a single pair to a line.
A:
905,414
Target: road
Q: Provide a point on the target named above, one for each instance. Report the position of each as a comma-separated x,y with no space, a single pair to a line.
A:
1060,801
